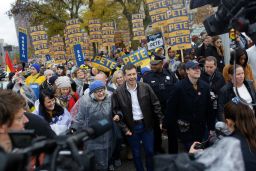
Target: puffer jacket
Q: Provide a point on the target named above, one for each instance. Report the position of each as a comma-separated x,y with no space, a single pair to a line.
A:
89,112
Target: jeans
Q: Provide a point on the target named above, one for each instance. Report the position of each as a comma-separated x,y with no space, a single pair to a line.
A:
101,158
147,137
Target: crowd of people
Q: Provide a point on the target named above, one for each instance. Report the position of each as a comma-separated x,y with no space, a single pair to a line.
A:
180,98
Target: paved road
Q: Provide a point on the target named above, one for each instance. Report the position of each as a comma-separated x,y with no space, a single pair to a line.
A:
127,165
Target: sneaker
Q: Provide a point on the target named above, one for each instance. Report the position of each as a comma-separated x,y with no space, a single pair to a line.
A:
117,163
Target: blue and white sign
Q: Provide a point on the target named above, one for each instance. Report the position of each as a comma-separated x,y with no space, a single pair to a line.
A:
79,55
48,57
155,41
23,47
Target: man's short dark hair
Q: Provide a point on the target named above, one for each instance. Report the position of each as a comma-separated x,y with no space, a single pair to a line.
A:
211,58
129,67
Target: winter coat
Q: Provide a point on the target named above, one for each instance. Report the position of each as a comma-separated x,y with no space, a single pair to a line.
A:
216,81
192,107
35,79
249,155
148,101
59,123
201,50
89,112
227,93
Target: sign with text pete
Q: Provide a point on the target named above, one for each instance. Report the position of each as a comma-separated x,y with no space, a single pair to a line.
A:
138,28
155,41
178,31
39,39
137,58
167,17
103,63
95,30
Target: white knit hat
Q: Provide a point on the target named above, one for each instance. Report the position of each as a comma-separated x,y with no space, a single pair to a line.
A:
48,71
63,82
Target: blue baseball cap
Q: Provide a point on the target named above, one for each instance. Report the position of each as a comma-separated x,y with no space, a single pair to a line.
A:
191,64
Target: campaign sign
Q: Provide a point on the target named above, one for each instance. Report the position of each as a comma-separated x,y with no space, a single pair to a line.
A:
104,64
138,58
155,41
48,57
79,55
23,47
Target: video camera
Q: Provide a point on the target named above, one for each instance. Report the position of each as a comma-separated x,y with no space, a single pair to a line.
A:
237,14
61,153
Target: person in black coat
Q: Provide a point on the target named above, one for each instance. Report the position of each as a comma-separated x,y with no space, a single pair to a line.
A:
189,111
161,80
245,90
217,50
215,79
41,127
201,50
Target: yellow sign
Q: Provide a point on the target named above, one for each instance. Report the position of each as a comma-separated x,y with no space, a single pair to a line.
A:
103,63
138,58
179,42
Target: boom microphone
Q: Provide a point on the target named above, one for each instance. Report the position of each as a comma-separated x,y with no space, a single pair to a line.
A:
97,129
222,129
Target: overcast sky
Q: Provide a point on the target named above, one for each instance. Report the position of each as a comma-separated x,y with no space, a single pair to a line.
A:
7,27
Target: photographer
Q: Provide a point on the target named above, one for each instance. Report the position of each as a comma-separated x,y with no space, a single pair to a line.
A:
241,122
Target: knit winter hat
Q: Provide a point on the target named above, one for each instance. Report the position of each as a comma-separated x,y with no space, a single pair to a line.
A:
48,71
37,67
96,85
53,79
63,82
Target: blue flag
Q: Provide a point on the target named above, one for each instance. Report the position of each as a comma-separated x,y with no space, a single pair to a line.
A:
48,57
23,47
79,55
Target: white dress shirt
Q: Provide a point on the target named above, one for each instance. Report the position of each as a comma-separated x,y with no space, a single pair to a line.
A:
136,110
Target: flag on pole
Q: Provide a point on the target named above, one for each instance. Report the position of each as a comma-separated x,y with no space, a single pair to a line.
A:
8,62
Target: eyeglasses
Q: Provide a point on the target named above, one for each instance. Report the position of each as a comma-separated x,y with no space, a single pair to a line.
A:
218,41
236,100
99,91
